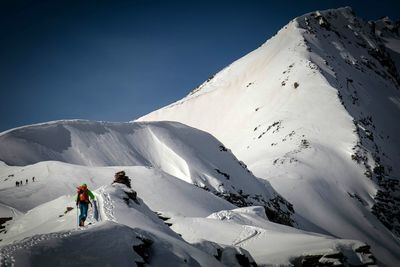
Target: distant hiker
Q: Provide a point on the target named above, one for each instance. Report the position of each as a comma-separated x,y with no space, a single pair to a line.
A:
26,181
20,182
83,201
121,178
17,183
33,179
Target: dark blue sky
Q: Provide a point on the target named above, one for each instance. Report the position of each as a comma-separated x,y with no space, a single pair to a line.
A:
118,60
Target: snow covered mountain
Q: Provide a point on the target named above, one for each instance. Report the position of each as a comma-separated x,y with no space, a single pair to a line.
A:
298,111
184,178
315,111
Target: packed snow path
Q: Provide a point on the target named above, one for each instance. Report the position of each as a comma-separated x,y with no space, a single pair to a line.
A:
248,233
102,209
105,205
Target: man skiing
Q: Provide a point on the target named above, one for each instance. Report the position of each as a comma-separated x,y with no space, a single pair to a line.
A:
83,201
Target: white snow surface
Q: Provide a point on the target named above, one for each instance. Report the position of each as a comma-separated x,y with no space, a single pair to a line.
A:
295,111
267,242
43,230
47,234
184,152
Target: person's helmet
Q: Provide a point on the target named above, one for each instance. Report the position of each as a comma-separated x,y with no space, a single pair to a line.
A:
84,186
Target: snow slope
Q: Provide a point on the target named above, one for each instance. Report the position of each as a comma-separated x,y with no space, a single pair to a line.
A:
189,154
56,179
53,240
47,234
314,111
44,233
269,243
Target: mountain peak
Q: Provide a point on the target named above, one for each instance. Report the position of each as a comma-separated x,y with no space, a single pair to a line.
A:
314,107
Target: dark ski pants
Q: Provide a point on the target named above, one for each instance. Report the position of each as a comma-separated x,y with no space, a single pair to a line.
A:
83,207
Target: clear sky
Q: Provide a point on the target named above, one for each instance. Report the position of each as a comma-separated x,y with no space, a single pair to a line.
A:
118,60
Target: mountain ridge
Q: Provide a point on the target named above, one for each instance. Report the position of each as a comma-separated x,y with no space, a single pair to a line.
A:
303,113
171,147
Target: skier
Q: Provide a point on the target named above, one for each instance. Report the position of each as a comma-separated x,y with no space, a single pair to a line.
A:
83,201
33,179
26,181
17,183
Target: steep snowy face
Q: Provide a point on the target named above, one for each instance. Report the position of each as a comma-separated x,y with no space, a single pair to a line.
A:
361,60
189,154
315,112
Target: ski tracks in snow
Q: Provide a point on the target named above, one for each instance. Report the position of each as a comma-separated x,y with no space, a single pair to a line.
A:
247,234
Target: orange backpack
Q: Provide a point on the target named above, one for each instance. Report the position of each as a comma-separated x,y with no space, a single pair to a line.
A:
83,194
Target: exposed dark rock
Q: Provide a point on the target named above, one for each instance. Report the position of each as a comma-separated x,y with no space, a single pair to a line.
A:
387,206
306,261
235,199
357,197
121,178
222,148
304,143
244,261
386,61
336,258
3,220
131,195
163,218
219,254
274,208
143,250
227,176
363,249
276,214
68,209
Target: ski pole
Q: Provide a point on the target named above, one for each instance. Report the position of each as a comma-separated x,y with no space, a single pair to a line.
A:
77,216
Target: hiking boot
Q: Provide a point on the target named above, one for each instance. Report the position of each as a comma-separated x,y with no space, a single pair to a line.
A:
81,223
